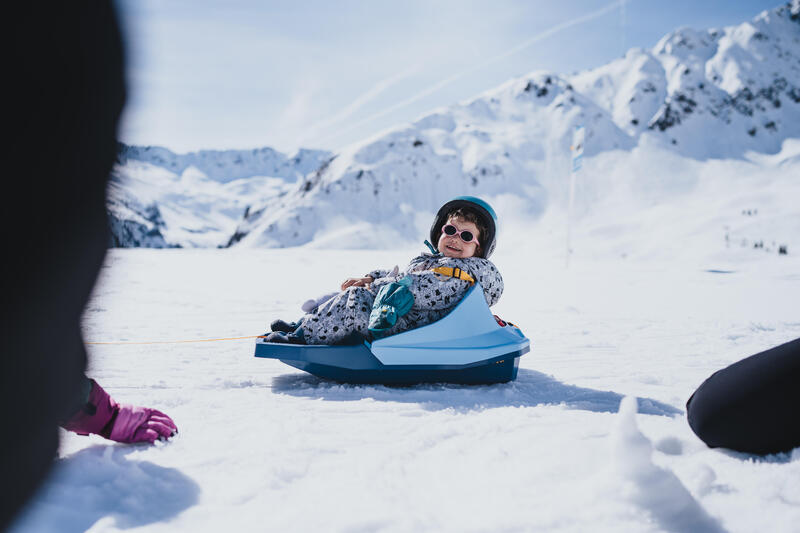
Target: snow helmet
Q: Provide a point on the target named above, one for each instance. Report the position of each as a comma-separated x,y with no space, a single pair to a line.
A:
480,208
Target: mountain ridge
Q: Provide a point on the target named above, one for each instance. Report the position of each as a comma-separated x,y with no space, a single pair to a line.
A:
228,165
700,94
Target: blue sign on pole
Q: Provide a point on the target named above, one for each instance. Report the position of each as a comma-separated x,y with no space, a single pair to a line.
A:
578,137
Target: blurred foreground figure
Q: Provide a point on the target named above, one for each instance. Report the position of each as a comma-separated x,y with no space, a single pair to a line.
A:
751,406
67,93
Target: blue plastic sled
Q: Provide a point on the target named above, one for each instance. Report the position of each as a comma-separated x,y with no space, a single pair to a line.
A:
467,346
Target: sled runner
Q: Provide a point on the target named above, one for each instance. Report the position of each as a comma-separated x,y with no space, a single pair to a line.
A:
467,346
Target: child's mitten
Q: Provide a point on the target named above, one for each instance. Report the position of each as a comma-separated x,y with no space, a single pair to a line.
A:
392,301
119,422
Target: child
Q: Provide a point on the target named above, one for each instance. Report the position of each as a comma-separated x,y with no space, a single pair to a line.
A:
464,230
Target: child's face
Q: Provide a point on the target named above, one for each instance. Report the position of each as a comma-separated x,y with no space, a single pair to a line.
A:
453,245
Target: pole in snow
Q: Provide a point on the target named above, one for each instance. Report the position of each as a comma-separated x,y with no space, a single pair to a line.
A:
578,136
622,22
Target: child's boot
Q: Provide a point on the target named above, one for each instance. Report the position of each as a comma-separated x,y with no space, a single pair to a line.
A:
282,325
282,337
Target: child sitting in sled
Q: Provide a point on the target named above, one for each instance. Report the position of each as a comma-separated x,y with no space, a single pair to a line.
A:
387,302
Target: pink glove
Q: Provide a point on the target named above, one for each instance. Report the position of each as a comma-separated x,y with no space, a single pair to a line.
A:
120,422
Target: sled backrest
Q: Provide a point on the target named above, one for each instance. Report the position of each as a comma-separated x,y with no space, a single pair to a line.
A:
469,333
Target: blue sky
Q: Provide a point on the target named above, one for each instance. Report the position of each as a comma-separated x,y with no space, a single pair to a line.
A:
322,74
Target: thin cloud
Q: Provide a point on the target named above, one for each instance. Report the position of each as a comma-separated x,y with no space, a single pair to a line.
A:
487,62
357,104
300,109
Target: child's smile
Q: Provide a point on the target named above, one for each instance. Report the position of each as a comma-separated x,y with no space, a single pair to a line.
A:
454,245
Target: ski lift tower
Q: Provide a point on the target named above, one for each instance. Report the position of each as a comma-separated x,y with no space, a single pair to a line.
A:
578,137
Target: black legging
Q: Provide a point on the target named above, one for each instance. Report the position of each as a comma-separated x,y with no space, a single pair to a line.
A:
751,406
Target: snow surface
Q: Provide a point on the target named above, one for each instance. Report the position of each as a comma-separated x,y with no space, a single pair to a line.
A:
654,300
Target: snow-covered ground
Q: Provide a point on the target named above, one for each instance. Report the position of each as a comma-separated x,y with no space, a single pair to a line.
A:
654,300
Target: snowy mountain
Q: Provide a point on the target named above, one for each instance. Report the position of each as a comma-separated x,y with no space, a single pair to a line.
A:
712,94
701,95
160,199
228,165
695,96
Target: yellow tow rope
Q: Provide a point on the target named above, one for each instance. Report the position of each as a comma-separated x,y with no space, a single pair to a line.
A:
453,272
179,342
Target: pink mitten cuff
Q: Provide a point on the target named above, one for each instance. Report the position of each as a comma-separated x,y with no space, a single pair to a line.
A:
95,415
120,422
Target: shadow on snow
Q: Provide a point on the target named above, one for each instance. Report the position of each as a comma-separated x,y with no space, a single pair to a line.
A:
99,482
531,388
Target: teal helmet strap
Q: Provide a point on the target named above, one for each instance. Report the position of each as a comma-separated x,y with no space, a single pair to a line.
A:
432,248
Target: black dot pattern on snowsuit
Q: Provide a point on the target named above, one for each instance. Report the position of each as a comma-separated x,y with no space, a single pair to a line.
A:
435,295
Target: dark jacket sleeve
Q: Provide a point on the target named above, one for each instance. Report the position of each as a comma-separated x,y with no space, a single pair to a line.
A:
80,400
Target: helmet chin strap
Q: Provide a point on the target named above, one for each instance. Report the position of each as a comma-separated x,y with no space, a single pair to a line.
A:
433,250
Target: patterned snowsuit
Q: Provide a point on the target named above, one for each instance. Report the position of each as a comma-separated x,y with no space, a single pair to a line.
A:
435,295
